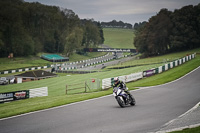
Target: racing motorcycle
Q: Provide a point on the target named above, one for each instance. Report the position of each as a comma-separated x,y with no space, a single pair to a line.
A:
122,97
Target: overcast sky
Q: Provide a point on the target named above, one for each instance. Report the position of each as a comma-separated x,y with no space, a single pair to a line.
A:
130,11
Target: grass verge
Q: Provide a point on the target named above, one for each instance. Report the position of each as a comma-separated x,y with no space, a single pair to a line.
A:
119,38
170,75
189,130
36,61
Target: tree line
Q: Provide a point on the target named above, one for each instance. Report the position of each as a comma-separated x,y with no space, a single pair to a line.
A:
138,26
169,31
30,28
116,24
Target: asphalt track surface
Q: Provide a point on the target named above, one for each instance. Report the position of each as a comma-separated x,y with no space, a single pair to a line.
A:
155,106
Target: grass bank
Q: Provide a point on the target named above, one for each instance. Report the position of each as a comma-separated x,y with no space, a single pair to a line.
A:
189,130
119,38
169,75
34,61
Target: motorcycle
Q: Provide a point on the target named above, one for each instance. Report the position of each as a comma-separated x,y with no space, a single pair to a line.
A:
122,97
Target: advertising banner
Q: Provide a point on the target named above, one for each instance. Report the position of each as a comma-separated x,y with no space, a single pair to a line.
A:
12,96
109,50
149,73
134,76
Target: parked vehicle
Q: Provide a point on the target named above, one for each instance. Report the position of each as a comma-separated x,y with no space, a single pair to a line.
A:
3,81
12,81
122,97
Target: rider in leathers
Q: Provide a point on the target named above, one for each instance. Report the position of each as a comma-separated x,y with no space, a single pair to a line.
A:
121,84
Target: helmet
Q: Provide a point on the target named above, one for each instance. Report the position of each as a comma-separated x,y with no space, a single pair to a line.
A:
116,79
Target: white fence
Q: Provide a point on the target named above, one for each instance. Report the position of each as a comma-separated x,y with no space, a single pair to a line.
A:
38,92
107,83
133,77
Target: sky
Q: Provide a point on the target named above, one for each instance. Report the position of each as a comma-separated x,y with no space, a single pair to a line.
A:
128,11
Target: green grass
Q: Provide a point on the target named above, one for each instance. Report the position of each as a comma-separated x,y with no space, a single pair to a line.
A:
155,60
189,130
78,57
170,75
21,62
118,38
34,61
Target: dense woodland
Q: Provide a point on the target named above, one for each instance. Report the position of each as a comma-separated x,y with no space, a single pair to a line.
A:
169,31
30,28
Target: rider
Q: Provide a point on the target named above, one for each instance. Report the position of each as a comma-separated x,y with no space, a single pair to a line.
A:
121,84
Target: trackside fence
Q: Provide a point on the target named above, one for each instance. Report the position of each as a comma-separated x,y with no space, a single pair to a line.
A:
23,94
38,92
58,66
75,88
94,84
108,82
90,85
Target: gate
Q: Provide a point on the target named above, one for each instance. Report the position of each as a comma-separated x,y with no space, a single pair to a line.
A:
93,84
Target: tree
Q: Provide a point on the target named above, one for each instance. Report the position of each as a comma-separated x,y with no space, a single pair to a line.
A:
100,32
73,41
116,24
138,26
153,39
170,31
91,37
185,34
29,28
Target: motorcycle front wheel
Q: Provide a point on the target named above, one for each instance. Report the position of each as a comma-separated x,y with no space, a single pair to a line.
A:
132,100
120,101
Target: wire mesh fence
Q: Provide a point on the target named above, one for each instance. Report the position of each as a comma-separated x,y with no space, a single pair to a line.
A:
90,85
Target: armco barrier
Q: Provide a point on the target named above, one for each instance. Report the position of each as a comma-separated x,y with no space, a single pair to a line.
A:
24,69
107,83
49,66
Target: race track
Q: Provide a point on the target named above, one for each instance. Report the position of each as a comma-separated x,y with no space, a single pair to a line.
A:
155,106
